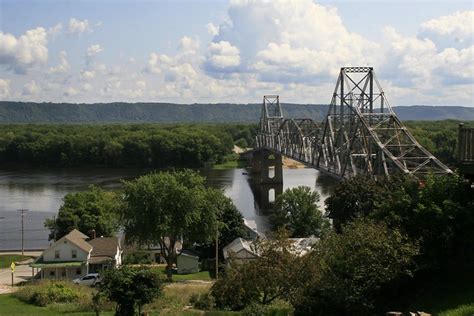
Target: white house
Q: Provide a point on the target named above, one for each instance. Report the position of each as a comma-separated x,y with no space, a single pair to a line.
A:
74,255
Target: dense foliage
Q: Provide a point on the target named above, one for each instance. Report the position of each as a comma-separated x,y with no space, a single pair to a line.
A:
86,211
437,211
48,292
271,276
347,272
297,210
130,288
145,145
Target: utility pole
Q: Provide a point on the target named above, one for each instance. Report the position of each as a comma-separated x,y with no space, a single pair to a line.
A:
23,230
217,254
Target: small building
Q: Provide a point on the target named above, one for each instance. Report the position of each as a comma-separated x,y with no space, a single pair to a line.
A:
240,250
67,258
75,255
187,262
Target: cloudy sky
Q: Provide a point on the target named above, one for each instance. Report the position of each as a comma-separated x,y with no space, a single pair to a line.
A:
233,51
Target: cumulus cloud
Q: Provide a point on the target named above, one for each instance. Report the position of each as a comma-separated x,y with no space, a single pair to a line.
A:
55,30
212,29
459,24
78,27
94,50
4,89
222,56
286,40
24,52
30,88
63,65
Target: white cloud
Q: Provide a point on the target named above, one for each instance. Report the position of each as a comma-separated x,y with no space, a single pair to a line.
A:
70,91
94,50
188,45
222,56
212,29
4,89
63,65
79,27
30,88
87,74
25,52
55,30
459,24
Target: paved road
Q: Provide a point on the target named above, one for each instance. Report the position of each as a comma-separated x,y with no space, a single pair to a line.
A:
22,273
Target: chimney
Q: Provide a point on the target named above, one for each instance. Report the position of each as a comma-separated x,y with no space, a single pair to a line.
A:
93,234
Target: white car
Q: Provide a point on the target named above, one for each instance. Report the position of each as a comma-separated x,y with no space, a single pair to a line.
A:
90,279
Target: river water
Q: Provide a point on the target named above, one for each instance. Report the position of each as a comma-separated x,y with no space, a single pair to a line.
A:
41,193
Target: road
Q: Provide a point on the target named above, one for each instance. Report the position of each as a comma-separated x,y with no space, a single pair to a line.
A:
22,272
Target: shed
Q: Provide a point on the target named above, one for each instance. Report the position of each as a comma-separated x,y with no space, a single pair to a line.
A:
187,262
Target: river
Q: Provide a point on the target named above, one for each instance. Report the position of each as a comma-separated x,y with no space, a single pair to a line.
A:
41,193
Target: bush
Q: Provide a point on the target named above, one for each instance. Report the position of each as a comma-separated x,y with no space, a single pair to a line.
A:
49,292
138,257
203,301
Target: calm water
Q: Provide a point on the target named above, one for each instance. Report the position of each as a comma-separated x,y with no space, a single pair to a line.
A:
41,192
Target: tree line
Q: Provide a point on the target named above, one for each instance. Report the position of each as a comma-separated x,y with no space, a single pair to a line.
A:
164,145
144,145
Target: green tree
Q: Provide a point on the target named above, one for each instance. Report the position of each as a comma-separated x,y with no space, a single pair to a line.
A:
273,275
297,211
130,288
356,197
86,211
348,272
167,207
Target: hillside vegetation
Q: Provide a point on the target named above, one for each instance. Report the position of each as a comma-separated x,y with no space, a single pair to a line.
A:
29,112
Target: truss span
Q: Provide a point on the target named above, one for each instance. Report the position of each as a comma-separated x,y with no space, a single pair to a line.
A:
361,134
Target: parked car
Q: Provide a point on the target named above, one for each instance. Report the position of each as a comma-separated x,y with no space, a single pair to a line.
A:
91,279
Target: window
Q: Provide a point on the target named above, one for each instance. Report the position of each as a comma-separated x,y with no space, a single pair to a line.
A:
51,273
78,271
63,273
56,254
74,253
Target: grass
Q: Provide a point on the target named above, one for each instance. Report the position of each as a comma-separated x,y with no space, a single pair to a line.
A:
202,275
6,260
450,294
231,162
174,301
10,305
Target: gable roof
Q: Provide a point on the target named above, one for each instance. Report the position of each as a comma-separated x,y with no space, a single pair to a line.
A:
104,247
238,244
75,234
75,237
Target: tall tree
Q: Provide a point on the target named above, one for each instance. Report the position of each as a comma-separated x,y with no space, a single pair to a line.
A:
166,207
86,211
297,211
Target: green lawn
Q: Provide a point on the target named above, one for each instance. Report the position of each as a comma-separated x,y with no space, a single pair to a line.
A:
203,275
10,305
6,260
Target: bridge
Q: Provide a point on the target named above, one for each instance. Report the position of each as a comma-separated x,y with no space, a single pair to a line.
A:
361,135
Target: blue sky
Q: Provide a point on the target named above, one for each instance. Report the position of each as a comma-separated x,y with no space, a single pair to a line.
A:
233,51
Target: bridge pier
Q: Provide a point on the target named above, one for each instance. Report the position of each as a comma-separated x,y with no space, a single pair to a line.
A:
267,167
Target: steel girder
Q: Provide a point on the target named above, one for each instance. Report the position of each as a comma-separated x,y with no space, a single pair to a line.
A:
361,133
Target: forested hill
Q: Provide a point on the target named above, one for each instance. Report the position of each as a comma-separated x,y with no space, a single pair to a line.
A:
26,112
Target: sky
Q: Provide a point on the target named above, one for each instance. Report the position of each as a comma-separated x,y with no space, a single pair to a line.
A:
207,51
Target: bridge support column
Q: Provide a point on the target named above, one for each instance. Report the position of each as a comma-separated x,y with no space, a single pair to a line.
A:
267,166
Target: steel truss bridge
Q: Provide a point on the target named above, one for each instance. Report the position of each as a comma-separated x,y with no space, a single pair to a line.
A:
361,134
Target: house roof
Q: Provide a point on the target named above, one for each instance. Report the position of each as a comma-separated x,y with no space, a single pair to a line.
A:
237,245
104,246
76,238
100,259
77,234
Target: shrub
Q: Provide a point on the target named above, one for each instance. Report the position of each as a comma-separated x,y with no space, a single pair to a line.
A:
137,257
49,292
203,301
